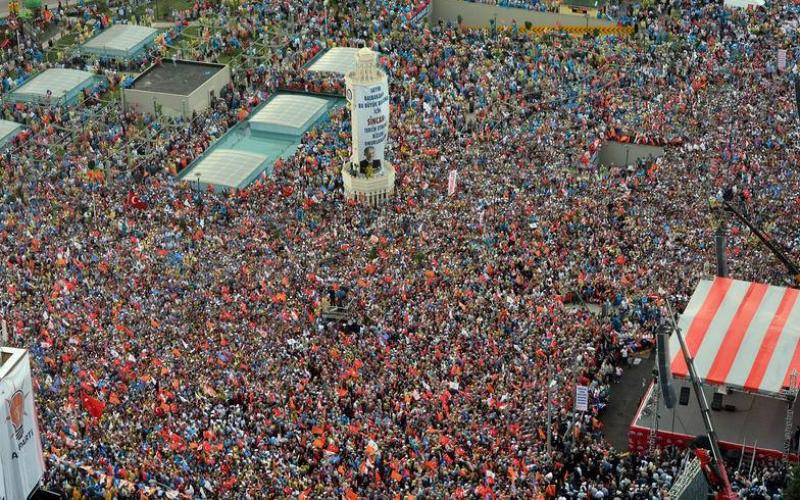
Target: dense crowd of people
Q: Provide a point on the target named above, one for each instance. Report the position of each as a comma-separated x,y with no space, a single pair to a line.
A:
193,320
535,5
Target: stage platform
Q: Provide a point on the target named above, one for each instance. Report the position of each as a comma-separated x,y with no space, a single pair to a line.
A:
756,420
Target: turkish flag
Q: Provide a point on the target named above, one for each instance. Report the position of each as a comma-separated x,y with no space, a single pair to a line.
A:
94,406
135,201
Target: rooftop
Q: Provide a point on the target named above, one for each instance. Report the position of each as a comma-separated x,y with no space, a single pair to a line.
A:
176,77
120,39
289,114
227,167
7,130
250,148
59,81
339,60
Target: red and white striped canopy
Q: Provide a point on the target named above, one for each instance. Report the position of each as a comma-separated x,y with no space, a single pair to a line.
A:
741,334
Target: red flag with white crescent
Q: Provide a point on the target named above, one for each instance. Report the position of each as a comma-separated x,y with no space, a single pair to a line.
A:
136,202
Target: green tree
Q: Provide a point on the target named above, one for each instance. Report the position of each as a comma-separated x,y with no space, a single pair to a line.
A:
793,488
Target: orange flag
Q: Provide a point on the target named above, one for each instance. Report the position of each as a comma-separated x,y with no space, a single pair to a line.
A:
512,473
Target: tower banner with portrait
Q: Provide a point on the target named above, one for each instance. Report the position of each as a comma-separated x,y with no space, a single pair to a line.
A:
370,121
20,443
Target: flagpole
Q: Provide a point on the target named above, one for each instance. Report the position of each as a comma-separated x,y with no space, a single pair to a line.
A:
549,402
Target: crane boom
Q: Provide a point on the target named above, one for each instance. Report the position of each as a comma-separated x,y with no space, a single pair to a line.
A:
705,411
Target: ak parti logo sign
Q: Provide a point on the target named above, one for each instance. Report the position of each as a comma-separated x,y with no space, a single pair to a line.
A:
16,412
16,415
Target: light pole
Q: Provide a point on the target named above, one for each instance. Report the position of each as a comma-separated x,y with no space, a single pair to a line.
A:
327,13
550,383
549,403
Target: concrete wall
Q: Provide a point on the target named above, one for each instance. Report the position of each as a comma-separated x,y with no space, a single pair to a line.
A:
620,154
139,101
178,105
145,102
477,14
200,99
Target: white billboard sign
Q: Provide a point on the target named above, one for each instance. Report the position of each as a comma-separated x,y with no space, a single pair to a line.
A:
370,115
451,182
743,4
781,59
581,398
20,444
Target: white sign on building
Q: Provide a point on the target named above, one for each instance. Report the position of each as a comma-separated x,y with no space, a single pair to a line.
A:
368,95
20,443
370,121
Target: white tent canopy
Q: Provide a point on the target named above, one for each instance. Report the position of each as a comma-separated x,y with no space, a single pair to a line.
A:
120,40
743,4
7,130
290,114
62,83
339,60
227,168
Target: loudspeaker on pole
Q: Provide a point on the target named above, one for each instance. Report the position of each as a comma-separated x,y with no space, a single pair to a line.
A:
664,373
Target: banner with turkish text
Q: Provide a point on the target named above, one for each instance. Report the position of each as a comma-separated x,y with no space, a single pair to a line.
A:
370,121
20,444
451,182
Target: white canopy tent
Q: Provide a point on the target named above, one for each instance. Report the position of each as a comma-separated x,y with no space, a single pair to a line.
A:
743,4
58,84
226,168
120,41
339,60
8,130
290,114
